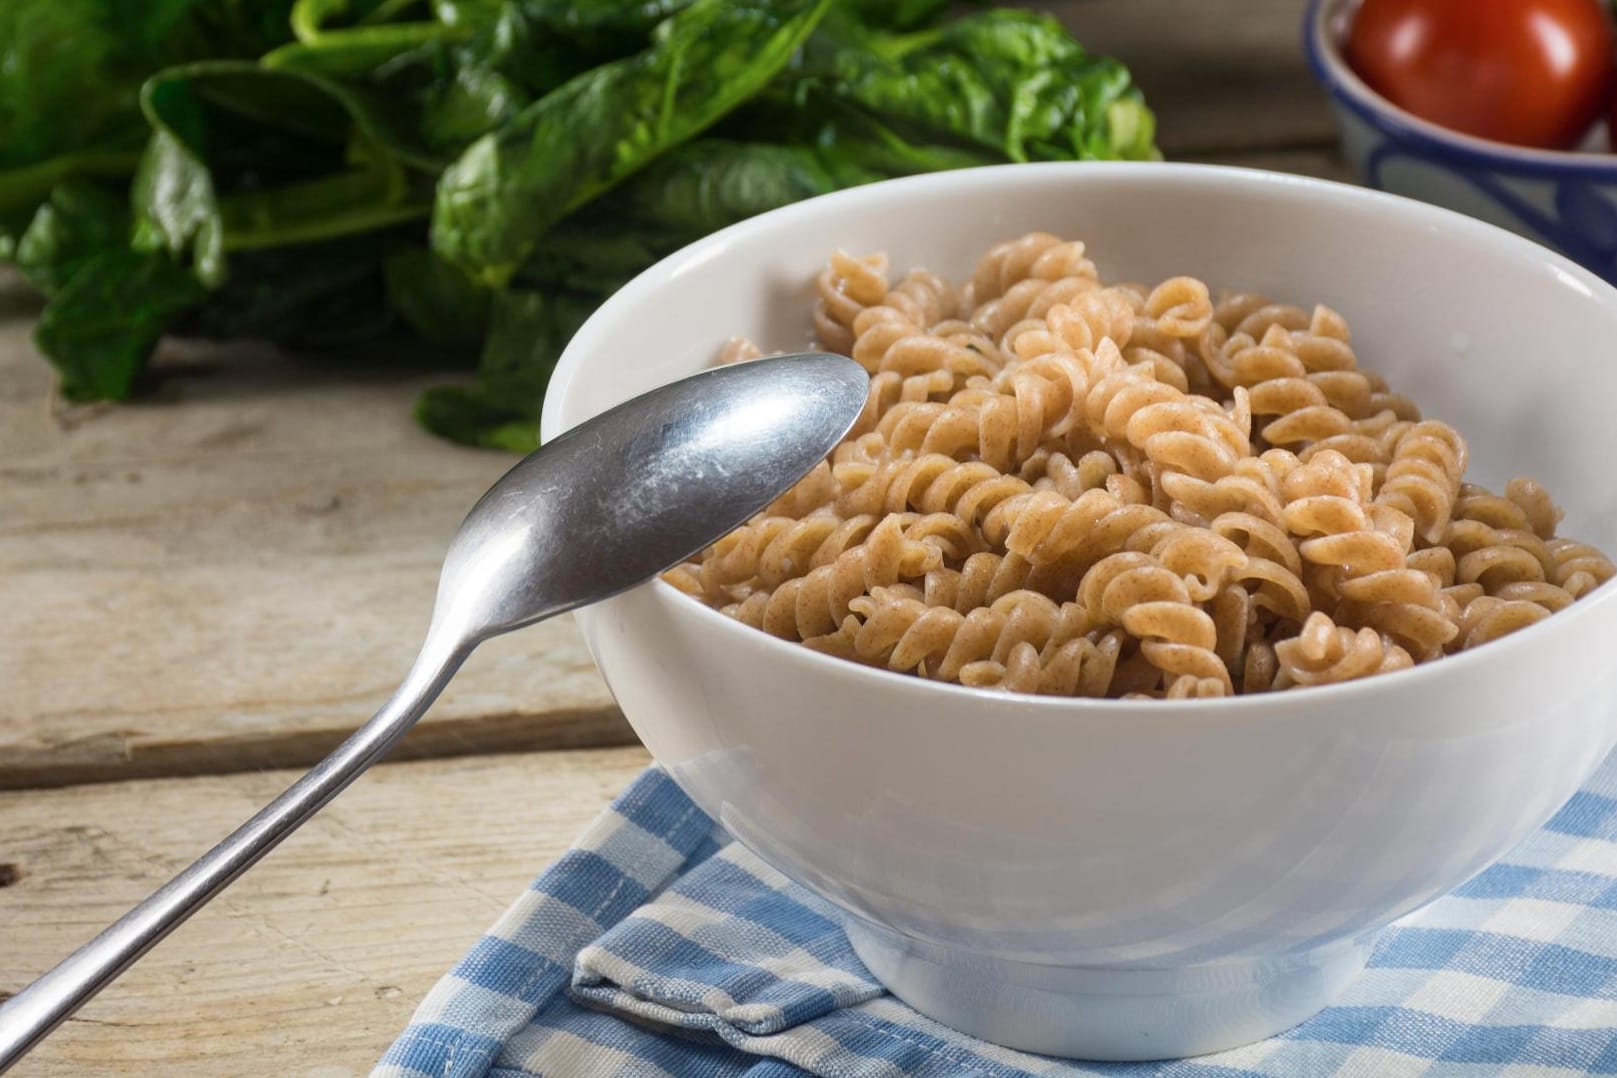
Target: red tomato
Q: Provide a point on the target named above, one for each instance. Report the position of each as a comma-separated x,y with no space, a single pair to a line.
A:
1528,72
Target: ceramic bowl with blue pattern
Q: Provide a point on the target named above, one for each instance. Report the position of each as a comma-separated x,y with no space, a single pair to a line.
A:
1566,200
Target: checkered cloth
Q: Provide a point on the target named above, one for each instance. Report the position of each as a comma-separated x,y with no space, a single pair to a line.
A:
656,947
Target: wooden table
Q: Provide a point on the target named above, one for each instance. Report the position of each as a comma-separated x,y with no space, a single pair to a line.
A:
203,592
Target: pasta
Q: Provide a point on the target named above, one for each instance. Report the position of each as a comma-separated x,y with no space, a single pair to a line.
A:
1065,487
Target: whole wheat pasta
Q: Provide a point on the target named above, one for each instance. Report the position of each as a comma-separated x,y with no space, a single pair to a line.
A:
1037,256
1135,490
847,286
1324,652
1151,602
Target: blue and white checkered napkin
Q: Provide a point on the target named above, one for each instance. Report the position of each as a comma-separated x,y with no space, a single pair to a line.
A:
657,947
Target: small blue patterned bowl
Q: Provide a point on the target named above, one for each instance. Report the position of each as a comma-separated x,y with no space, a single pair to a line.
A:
1563,199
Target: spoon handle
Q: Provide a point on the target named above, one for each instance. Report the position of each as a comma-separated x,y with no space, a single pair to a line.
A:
28,1016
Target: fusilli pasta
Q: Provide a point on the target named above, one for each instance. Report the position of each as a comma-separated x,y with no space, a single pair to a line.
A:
1137,490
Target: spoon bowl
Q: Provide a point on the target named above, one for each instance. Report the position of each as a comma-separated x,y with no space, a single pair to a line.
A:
640,488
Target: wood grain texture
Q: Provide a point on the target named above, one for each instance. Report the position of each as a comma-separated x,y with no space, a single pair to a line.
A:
311,963
1221,75
235,572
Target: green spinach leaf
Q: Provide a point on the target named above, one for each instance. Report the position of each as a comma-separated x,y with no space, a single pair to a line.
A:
323,293
66,81
710,183
509,187
80,221
895,14
1010,81
70,75
429,180
436,298
527,331
700,187
244,157
100,329
370,40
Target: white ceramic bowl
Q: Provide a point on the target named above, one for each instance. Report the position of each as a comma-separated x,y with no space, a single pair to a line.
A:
1147,879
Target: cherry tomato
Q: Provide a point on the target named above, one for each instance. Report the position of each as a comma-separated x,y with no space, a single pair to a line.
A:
1528,72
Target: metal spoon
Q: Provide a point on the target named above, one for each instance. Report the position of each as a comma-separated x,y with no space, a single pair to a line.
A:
596,511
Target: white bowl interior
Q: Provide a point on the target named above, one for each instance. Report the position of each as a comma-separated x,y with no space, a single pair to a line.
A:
1489,332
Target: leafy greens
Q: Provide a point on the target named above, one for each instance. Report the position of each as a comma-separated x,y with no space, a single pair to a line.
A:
448,181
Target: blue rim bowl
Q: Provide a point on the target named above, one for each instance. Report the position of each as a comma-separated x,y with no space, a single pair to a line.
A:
1566,200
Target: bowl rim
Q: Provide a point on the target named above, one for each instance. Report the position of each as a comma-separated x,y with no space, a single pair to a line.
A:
1258,705
1324,54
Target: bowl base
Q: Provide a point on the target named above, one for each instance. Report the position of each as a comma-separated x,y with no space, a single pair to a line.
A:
1109,1014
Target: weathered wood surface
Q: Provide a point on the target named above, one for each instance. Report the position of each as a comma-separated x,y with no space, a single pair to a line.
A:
1225,77
234,573
311,963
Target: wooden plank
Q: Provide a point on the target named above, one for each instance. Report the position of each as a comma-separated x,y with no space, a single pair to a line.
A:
313,961
1221,75
234,572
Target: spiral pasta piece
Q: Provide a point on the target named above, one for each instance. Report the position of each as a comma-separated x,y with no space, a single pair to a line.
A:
1002,423
687,577
1036,256
1190,687
1260,668
1151,602
1272,573
1085,321
1024,278
902,633
1579,567
1179,308
815,604
1541,513
1329,509
1487,618
889,388
923,298
847,287
981,579
1080,667
1232,307
812,492
1053,469
930,483
1253,487
1423,477
1404,605
1046,528
1476,503
1325,653
1175,431
884,340
776,549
